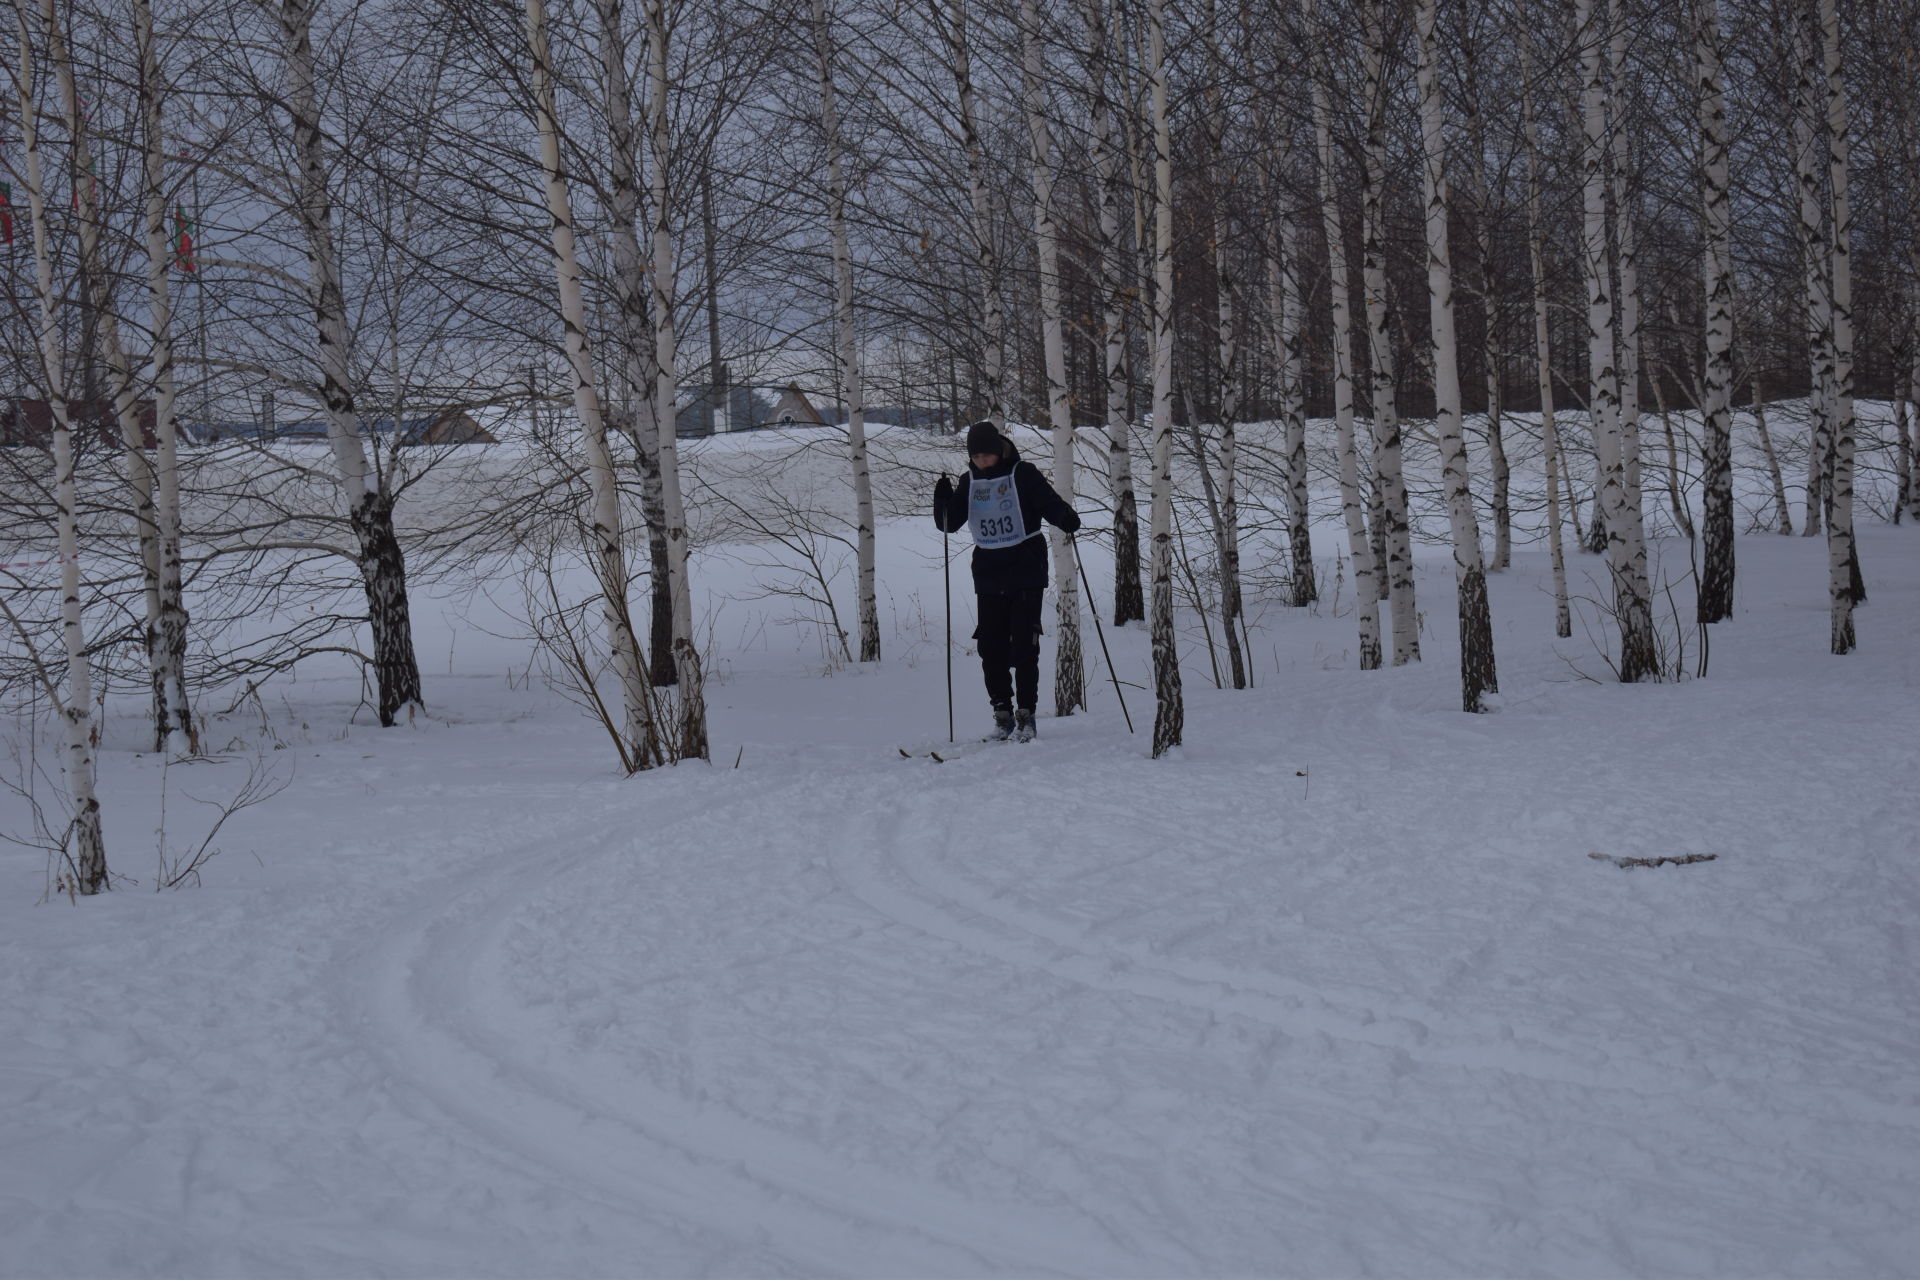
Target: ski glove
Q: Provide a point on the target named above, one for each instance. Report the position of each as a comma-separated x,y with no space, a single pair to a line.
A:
942,500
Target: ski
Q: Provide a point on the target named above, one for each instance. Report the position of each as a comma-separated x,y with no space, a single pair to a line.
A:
940,755
936,756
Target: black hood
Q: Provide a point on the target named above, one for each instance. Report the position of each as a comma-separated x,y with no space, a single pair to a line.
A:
1008,456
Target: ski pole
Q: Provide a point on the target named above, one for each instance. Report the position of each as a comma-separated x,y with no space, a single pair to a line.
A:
946,577
1100,631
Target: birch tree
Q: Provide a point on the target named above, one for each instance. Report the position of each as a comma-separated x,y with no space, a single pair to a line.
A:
1552,461
1227,355
1389,474
848,374
1500,471
692,704
1289,314
1366,605
1169,705
1069,671
1717,574
635,411
1842,562
1817,262
639,743
96,280
1626,551
1107,155
1783,514
381,561
1477,672
1626,245
84,844
951,19
170,642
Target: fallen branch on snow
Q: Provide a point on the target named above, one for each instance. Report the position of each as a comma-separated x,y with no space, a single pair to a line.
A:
1681,861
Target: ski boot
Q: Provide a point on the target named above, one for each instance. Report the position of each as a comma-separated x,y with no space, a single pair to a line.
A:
1023,725
1003,722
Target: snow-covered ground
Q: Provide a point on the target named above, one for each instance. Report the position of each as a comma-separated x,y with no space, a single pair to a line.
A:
1335,990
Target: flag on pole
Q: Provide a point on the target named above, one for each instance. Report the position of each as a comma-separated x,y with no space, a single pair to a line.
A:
182,239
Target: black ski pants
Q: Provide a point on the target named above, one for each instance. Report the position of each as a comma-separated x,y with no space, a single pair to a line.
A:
1009,636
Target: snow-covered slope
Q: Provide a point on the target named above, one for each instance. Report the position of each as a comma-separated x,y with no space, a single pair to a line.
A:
1335,990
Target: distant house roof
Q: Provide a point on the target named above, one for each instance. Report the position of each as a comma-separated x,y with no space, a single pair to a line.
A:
795,410
705,410
449,426
28,422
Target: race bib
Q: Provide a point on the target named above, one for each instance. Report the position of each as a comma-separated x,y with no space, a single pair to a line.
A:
993,509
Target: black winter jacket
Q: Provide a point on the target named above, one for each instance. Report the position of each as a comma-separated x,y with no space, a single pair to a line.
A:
1023,566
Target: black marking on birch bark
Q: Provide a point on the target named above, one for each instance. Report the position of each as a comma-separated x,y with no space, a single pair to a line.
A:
693,702
1169,706
1478,674
1129,603
383,572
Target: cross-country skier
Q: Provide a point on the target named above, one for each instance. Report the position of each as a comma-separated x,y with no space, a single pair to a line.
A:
1003,500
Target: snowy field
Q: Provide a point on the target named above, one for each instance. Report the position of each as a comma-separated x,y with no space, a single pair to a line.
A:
1335,990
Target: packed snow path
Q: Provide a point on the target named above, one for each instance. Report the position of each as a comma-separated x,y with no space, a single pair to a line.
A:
1334,991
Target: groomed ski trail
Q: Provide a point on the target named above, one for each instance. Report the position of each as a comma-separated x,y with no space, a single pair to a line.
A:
772,1204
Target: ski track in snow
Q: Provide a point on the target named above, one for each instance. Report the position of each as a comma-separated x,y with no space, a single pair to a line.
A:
1047,1009
932,891
625,1143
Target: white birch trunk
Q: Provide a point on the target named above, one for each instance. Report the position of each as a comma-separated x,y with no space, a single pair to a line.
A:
86,854
1627,262
1169,703
692,729
980,202
1477,670
138,468
633,407
1767,450
369,508
1676,499
1500,472
1573,502
1069,668
1227,356
1107,155
1817,261
1389,475
315,213
847,346
1633,612
1552,460
182,729
1843,565
1340,292
639,746
1716,411
1289,313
